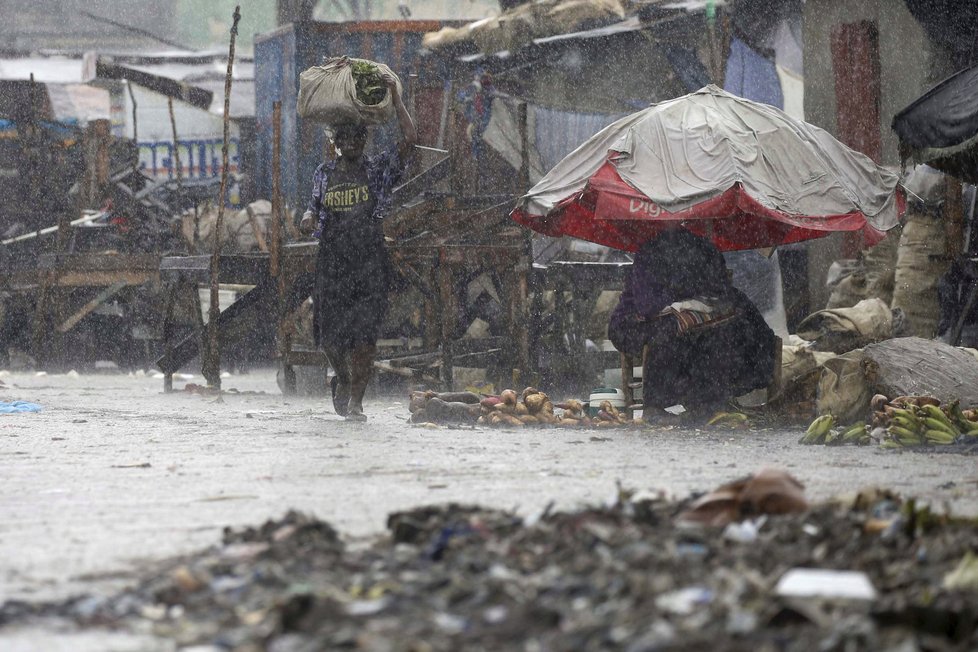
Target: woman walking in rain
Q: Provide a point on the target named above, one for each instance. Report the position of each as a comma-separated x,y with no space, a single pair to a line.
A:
351,195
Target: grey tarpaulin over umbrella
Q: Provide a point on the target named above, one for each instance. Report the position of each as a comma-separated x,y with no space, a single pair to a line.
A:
940,128
742,174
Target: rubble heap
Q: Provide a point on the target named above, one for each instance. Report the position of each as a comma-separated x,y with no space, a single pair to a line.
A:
631,576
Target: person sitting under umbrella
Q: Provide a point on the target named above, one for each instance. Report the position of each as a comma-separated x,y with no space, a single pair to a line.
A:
704,342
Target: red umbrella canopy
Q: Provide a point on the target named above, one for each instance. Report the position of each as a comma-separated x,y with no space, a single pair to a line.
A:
742,174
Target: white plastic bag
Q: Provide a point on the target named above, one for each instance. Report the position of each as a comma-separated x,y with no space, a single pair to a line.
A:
328,93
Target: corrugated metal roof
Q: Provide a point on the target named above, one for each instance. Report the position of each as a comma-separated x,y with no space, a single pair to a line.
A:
193,72
209,76
631,24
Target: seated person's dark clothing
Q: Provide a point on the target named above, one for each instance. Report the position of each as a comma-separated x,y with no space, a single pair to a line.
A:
707,342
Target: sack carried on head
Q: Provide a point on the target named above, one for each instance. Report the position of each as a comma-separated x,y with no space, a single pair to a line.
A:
345,90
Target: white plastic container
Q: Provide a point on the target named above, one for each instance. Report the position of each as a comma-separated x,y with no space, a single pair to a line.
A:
612,394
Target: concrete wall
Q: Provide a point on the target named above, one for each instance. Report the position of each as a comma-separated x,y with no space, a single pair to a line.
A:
906,62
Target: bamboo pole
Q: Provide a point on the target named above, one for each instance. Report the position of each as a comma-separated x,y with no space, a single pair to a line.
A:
195,245
176,146
276,243
277,255
135,126
212,364
40,326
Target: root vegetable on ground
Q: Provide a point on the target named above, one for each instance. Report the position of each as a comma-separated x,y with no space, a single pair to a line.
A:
535,402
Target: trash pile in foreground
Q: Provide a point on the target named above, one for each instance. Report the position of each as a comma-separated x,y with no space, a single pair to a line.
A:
637,575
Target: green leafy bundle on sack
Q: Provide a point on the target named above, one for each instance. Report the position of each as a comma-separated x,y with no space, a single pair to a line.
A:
371,89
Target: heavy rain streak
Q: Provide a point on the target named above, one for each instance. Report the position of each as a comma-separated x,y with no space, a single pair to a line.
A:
438,325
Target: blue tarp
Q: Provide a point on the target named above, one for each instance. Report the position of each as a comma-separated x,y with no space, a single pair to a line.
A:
752,76
15,407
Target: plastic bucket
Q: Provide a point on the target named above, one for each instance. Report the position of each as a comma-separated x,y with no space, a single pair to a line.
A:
612,394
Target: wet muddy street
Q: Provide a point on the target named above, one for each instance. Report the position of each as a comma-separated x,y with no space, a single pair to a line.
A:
114,474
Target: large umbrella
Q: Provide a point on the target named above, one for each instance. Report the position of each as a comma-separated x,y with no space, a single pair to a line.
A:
743,174
940,128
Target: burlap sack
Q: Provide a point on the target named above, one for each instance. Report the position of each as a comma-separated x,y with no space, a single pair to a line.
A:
844,329
574,15
921,261
880,263
445,37
799,361
328,93
843,390
906,366
518,26
242,231
849,291
872,277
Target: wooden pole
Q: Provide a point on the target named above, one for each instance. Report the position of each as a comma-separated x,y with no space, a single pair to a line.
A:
176,146
40,326
135,126
519,329
446,292
195,245
276,243
276,255
711,23
212,364
954,219
524,175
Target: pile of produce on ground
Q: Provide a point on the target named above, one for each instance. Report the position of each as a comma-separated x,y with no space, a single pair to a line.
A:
890,576
531,407
900,422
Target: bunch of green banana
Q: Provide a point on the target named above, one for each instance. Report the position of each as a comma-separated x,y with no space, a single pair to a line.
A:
729,420
818,430
964,424
925,424
938,426
857,433
906,428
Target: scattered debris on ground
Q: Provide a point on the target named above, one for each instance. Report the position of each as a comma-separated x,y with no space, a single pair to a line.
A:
209,390
872,572
768,492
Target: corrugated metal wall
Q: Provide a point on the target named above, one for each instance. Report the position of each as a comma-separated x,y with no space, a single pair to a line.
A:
558,133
